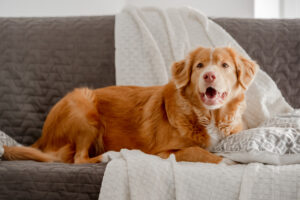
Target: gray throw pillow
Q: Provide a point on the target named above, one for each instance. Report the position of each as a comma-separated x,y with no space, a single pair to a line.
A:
275,141
6,140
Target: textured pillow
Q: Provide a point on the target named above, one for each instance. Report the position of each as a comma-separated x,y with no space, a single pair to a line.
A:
6,140
276,141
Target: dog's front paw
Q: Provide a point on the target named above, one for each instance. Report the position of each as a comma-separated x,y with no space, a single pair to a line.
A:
227,161
226,124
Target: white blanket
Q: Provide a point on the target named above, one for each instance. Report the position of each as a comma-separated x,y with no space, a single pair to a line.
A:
147,42
133,175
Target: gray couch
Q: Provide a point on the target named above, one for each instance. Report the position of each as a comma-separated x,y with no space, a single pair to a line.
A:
41,59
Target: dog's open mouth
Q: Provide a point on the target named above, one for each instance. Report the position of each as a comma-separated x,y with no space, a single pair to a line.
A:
212,96
211,92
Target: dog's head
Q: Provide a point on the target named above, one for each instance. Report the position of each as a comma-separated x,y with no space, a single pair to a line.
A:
214,76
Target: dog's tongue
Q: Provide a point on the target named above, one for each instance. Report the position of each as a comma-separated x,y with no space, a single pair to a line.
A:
211,92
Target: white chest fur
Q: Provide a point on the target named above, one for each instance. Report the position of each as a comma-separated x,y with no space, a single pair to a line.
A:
214,133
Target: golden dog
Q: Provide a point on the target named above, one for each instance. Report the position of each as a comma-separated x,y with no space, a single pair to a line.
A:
202,104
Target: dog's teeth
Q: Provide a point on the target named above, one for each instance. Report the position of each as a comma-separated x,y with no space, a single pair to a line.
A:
224,94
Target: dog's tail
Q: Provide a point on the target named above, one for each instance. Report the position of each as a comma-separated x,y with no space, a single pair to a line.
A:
27,153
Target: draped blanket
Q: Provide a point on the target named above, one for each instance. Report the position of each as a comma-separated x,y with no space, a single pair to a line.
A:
148,41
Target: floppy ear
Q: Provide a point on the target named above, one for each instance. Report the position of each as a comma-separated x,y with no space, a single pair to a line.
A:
181,73
246,70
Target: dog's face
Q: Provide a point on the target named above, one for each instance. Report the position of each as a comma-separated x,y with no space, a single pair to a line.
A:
214,75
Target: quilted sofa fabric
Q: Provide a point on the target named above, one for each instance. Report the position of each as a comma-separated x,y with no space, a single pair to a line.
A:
30,180
42,59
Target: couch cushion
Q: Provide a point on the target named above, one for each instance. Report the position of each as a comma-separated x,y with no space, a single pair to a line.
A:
42,59
275,45
35,180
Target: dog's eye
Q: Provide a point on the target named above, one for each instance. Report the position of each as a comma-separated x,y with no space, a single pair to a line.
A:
200,65
225,65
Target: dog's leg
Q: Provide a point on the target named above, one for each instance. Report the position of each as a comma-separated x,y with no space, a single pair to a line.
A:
83,145
95,159
81,160
82,125
82,156
192,154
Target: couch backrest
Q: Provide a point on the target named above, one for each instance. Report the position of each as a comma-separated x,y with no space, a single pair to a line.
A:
41,59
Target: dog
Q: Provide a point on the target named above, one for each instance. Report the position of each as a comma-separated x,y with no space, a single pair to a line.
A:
202,104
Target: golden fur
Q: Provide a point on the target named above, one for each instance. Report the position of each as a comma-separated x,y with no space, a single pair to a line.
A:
158,120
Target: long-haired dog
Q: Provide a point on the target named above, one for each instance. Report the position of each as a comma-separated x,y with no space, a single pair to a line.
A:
203,103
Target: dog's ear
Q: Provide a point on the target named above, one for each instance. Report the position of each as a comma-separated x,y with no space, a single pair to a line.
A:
246,70
181,73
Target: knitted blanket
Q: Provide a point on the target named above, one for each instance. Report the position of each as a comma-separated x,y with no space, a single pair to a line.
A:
133,175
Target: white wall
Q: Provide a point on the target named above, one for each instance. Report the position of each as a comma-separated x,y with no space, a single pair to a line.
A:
277,8
59,7
218,8
290,9
267,8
